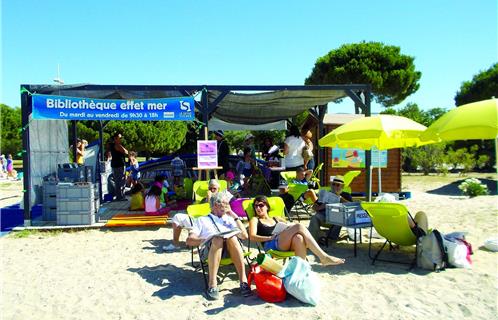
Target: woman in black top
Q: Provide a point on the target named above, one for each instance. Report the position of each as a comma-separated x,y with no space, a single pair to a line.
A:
294,238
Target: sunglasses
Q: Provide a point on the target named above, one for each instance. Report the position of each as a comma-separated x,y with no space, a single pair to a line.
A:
213,188
260,205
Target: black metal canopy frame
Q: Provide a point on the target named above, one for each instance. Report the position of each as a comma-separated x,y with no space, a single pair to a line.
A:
226,102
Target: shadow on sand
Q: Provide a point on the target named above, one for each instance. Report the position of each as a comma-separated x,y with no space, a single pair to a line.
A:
172,280
452,188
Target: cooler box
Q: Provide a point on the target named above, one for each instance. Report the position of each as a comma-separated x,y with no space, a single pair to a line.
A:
346,214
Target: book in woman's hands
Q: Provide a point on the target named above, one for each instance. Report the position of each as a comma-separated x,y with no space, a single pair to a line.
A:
222,234
279,227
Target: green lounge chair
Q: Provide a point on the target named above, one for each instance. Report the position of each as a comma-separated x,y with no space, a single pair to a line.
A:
196,211
277,209
200,189
391,221
348,179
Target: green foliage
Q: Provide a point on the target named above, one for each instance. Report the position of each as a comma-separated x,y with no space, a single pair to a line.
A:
467,158
86,132
235,139
11,136
473,187
483,86
149,137
392,75
412,111
427,158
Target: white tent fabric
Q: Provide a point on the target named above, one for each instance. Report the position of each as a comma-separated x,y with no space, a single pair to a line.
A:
217,124
48,147
267,107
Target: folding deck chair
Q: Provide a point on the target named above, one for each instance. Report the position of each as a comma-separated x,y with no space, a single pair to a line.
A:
391,221
199,210
277,209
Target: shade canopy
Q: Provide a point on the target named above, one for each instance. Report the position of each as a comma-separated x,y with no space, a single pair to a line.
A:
217,124
478,120
382,132
267,107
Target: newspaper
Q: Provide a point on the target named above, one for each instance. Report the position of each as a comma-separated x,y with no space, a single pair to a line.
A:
329,198
223,234
279,227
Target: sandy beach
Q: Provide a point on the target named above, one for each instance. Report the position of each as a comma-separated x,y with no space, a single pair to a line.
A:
122,273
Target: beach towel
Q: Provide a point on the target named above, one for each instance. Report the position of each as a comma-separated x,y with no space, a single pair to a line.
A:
136,220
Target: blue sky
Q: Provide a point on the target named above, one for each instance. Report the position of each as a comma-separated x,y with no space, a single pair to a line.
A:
238,42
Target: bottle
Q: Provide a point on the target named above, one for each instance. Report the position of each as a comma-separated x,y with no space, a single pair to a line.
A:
266,262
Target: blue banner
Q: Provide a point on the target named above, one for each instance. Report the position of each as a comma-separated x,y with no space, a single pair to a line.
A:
47,107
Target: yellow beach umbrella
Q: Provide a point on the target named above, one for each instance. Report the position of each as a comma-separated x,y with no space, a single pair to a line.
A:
382,132
478,120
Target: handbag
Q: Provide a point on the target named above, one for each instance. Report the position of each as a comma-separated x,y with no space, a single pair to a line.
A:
270,288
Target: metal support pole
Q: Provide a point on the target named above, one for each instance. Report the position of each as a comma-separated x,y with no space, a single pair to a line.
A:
74,134
205,112
26,165
368,153
322,110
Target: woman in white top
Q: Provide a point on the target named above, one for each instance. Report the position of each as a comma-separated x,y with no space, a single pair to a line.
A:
293,150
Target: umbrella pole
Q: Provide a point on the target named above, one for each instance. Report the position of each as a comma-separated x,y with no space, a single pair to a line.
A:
379,170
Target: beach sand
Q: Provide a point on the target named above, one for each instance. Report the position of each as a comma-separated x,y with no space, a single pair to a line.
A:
124,274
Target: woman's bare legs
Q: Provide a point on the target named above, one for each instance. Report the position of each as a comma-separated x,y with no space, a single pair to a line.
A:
286,240
299,246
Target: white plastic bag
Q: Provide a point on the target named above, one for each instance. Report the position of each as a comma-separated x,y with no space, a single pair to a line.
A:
491,244
300,281
458,252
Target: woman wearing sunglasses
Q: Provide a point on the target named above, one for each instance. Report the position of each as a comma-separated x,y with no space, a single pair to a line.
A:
294,238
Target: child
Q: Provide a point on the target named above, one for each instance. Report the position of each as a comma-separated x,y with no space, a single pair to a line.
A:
153,202
11,172
161,182
134,175
137,197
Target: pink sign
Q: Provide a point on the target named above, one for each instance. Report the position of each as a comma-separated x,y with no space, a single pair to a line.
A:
207,154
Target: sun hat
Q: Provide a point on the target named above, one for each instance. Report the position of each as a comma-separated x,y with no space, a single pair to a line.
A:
249,136
219,133
337,179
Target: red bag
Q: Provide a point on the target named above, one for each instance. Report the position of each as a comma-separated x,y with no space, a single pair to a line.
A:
270,287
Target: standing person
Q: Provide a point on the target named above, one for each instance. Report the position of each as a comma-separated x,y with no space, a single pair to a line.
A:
118,165
134,175
223,153
221,219
10,167
309,160
293,149
249,143
80,152
178,170
244,169
3,169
